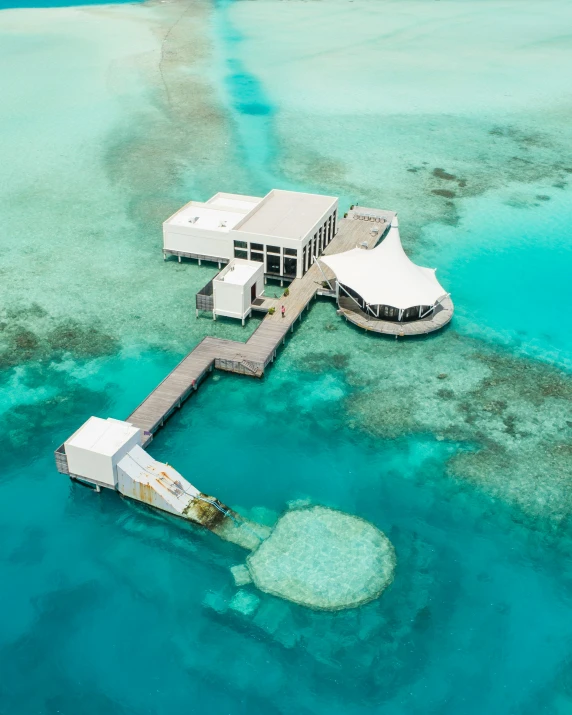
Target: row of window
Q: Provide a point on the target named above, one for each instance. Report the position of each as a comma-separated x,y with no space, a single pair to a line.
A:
275,254
273,262
289,269
273,257
319,241
259,248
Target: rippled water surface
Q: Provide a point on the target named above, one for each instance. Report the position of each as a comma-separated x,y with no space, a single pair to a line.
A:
457,115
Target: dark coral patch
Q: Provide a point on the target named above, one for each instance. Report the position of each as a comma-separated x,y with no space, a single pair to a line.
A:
75,338
29,334
446,193
442,174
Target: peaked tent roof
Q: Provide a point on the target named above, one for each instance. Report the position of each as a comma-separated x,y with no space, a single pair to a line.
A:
385,275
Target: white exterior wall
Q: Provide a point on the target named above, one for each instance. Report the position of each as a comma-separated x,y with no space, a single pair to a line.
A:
266,240
228,299
96,462
90,465
234,300
202,242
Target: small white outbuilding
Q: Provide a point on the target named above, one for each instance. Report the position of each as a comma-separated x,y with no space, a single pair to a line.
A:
236,288
94,451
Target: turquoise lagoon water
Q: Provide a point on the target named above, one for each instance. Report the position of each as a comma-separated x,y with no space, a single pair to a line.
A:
456,446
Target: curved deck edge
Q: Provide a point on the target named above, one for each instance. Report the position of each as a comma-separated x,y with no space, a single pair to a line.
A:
441,317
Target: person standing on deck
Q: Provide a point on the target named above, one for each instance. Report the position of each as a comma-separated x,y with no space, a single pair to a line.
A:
283,311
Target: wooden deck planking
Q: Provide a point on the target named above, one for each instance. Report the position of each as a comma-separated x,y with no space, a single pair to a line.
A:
175,388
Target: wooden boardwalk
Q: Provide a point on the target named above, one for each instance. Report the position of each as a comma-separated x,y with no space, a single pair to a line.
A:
252,357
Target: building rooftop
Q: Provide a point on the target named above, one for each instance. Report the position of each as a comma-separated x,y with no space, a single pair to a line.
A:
202,216
234,202
222,212
239,271
286,214
102,436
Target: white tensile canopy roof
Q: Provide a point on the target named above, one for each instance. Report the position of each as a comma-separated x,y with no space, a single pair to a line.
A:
385,275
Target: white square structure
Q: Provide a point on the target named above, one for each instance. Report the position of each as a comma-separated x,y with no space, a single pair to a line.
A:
98,445
236,287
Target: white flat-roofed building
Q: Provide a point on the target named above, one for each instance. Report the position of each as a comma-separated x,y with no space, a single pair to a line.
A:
284,231
236,287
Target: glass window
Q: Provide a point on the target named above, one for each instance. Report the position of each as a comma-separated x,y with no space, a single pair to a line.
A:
290,252
290,267
240,254
254,256
257,246
272,264
273,249
240,244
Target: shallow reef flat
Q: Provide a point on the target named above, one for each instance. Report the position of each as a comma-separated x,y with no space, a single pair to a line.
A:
106,117
507,417
410,105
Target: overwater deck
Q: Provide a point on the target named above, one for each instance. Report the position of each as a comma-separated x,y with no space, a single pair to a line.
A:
437,320
252,357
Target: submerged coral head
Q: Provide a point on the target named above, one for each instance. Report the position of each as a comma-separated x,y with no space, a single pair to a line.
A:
323,559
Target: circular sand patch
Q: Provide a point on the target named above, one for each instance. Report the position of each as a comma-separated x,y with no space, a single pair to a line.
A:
323,559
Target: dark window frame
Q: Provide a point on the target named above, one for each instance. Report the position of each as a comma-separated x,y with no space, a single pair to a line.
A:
273,264
292,263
